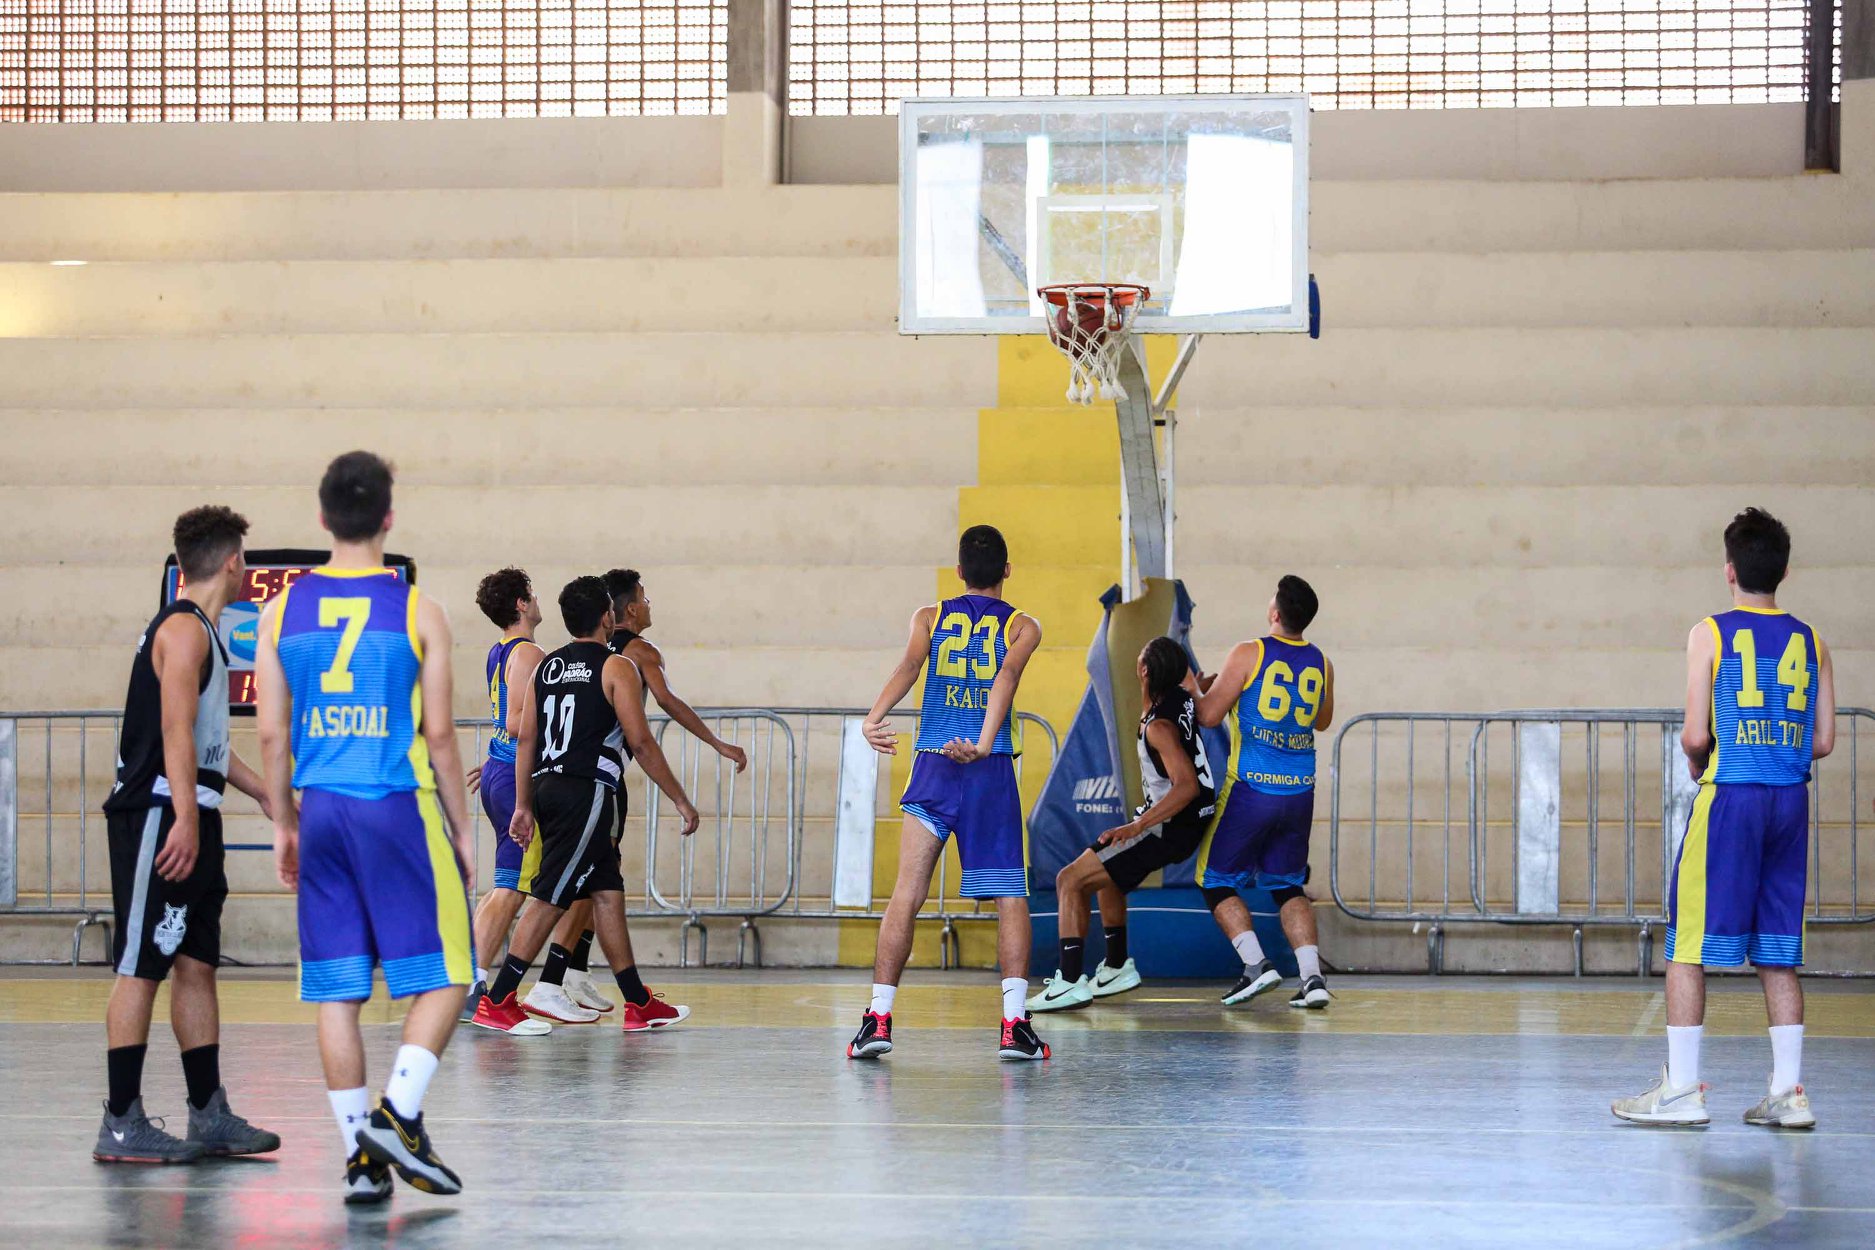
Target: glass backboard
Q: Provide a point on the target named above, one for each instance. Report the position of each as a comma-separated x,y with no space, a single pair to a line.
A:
1204,199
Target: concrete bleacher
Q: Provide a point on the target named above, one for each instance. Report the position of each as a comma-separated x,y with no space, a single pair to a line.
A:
1504,465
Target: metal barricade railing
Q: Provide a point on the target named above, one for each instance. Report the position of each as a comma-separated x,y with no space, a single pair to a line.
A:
763,847
1567,817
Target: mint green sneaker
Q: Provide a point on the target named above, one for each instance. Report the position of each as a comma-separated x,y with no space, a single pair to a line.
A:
1060,994
1110,981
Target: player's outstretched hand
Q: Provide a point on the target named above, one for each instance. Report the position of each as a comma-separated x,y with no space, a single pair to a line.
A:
690,818
286,855
963,752
521,827
1125,833
475,779
733,753
881,736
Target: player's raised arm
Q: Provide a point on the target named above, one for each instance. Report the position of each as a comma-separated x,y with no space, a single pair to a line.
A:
651,669
1162,735
439,725
178,653
526,747
1823,736
1240,669
904,677
1696,731
625,689
1024,636
273,716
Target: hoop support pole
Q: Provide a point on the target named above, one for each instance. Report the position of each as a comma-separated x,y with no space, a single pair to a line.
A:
1187,348
1145,504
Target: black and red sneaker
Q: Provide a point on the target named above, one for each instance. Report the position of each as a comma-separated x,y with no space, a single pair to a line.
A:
1020,1041
873,1039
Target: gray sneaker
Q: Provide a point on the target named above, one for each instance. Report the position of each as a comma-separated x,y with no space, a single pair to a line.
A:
134,1137
220,1132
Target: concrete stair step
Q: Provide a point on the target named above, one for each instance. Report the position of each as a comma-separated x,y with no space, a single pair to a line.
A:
473,446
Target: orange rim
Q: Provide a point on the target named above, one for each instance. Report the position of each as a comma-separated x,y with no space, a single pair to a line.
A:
1120,294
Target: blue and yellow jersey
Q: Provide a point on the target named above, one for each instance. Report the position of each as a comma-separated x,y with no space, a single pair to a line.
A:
969,642
1272,728
348,643
500,742
1763,698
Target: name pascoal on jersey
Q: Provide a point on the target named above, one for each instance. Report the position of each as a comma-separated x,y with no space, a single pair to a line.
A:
579,731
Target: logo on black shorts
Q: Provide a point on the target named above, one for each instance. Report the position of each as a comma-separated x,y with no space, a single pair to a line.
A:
168,935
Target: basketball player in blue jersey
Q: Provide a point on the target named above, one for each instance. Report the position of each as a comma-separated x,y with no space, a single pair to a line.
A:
973,649
1275,693
1760,707
507,599
354,713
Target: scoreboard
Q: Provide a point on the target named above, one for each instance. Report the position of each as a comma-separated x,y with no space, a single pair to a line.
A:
268,573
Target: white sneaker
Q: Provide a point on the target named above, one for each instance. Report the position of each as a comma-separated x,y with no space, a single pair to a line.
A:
1662,1104
1110,981
1060,994
1790,1109
553,1002
581,988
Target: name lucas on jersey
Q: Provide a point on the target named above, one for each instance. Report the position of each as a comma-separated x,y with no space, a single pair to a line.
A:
353,721
1303,741
1769,733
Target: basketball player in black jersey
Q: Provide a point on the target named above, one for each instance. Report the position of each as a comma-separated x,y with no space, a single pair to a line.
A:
570,951
583,709
168,880
1181,798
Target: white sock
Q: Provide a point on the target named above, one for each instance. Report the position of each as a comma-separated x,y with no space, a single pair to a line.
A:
1786,1057
481,976
1683,1054
1308,962
410,1079
1015,997
351,1108
882,996
1248,949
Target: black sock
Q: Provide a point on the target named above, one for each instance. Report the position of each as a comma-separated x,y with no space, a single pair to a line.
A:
1073,958
1116,945
125,1067
581,960
201,1069
553,972
508,980
631,987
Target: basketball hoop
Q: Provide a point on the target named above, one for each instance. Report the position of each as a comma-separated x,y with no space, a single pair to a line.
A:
1091,323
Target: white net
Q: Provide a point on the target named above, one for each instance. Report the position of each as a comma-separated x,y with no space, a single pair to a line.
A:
1092,325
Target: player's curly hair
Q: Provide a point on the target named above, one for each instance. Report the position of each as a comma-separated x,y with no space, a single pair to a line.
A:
1166,665
206,536
500,596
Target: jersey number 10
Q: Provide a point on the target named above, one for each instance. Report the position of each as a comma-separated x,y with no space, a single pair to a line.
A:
554,742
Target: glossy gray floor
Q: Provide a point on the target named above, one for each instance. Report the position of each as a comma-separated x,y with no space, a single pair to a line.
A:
1386,1124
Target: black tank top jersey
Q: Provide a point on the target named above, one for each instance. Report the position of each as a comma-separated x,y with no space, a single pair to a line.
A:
1180,710
579,732
141,780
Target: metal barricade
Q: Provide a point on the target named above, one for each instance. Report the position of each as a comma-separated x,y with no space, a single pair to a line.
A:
55,769
1566,817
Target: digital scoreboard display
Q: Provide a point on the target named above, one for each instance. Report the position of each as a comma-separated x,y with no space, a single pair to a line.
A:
268,573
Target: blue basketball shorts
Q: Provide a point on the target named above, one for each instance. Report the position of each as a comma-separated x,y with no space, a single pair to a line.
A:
979,803
379,885
514,868
1739,882
1257,839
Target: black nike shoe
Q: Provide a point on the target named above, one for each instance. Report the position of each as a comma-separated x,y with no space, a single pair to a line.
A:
367,1182
405,1145
873,1039
1253,984
1313,994
1020,1042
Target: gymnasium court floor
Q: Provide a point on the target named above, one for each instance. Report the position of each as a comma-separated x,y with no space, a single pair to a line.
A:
1415,1112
